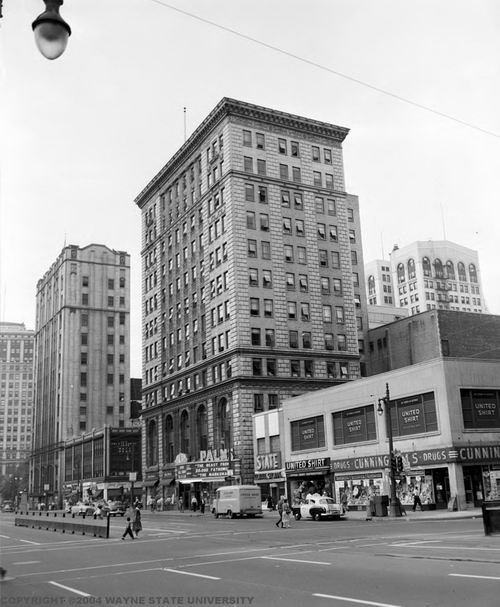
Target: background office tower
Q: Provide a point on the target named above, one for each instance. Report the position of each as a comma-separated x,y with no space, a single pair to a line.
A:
253,287
16,406
82,352
427,275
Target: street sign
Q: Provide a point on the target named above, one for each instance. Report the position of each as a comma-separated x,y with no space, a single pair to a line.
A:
132,477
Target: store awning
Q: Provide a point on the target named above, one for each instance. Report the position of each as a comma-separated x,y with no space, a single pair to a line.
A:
188,481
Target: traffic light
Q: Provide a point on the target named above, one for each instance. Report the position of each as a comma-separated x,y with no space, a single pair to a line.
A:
399,463
394,463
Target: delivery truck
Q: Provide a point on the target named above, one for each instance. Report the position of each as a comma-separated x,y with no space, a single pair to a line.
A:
237,500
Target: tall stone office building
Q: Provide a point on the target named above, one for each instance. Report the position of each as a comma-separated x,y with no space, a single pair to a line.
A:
16,395
253,289
82,358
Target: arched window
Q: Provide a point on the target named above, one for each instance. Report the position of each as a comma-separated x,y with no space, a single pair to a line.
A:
169,439
185,432
224,424
202,428
450,270
461,272
371,285
411,269
152,437
401,273
438,268
472,273
426,266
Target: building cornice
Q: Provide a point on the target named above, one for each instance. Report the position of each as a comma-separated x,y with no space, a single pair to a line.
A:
232,107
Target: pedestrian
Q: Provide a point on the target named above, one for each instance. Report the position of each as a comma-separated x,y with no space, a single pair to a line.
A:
343,501
202,505
194,503
286,514
280,512
137,525
416,501
128,529
180,504
270,504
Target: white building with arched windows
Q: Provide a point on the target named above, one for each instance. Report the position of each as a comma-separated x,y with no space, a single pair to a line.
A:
427,275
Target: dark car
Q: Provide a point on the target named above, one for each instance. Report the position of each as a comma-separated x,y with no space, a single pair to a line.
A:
116,508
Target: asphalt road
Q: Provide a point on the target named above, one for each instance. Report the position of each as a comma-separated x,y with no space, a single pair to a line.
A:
198,560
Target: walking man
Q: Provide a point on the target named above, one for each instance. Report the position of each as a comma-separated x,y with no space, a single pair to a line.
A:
128,529
279,507
416,501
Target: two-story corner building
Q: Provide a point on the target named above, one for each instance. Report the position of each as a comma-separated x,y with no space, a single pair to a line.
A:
445,417
253,288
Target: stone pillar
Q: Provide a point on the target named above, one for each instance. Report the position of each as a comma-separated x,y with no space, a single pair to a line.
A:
457,486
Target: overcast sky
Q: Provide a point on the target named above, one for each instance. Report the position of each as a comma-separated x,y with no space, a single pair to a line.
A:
82,135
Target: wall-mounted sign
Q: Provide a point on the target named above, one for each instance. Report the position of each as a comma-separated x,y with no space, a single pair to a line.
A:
267,461
302,465
481,408
414,414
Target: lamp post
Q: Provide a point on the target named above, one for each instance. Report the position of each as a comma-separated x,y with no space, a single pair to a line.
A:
384,405
51,31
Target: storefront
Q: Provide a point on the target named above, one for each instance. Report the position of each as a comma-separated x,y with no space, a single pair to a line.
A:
270,476
200,479
308,476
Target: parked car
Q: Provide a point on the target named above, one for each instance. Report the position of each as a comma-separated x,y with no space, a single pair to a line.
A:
116,508
8,507
82,509
317,507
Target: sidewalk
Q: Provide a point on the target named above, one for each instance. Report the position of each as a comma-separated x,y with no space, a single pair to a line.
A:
418,515
354,515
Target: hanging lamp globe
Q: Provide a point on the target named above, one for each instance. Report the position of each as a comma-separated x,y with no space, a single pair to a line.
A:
51,31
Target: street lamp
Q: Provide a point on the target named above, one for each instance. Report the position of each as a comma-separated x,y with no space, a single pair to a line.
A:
384,404
51,31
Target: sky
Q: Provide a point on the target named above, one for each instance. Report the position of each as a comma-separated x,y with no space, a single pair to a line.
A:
417,82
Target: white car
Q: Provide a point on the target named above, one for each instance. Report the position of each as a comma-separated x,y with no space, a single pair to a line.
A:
318,508
82,508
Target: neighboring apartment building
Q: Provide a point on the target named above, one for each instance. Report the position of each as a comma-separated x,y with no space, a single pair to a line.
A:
16,395
379,287
82,361
253,288
428,275
433,334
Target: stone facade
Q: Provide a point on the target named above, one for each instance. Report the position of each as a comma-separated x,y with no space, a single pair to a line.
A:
221,337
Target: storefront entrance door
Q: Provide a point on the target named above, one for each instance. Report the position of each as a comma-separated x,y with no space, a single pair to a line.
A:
441,487
473,483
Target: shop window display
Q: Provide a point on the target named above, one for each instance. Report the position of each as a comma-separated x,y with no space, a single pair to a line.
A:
420,485
358,492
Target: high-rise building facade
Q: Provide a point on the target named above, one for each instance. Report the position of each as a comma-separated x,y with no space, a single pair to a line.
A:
82,356
428,275
253,287
16,395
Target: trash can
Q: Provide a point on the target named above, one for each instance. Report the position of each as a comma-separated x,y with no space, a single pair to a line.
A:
491,517
381,505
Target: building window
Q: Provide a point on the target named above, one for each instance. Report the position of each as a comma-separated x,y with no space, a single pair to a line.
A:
270,338
293,339
306,339
268,308
248,164
295,368
282,146
261,166
337,287
267,279
317,181
341,341
251,220
309,368
255,336
329,341
308,433
290,281
292,310
254,306
85,299
315,153
262,190
256,366
354,425
265,249
327,313
252,248
258,403
285,199
294,149
296,174
247,138
249,193
259,141
284,172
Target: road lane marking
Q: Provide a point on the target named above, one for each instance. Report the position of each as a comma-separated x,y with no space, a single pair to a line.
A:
417,543
26,563
481,577
28,542
278,558
332,548
367,545
349,600
5,537
208,577
70,589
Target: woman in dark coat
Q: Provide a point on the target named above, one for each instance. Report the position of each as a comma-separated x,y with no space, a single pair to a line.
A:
137,525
